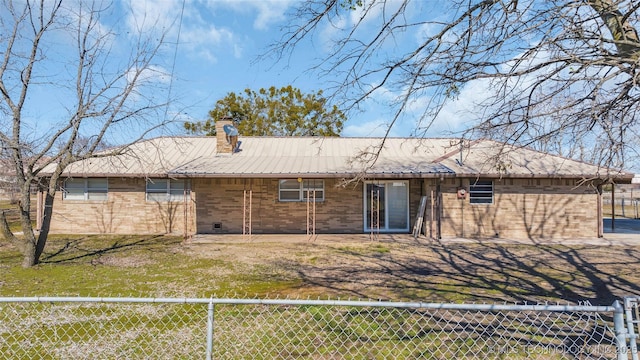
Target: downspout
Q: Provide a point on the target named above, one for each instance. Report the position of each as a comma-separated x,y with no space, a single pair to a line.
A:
184,212
186,197
439,210
462,204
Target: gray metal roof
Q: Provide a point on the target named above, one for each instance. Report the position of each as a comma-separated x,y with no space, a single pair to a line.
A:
332,157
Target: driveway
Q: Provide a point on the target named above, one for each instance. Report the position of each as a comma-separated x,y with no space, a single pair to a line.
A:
622,226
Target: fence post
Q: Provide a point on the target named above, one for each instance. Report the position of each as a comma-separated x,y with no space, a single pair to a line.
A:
620,331
210,330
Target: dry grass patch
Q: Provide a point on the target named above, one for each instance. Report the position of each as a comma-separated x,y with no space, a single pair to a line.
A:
398,269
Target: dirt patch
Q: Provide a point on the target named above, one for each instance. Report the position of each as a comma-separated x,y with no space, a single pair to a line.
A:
121,261
420,270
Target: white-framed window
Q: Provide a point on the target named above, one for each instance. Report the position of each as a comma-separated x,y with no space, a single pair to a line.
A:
481,192
161,190
294,190
95,189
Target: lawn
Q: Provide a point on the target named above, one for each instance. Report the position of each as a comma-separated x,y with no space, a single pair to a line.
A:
398,269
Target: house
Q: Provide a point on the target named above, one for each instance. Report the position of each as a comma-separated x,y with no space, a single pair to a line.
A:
200,185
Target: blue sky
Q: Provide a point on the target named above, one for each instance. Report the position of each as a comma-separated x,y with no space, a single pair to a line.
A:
219,42
211,49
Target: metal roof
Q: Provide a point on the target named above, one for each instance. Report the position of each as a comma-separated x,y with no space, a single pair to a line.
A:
332,157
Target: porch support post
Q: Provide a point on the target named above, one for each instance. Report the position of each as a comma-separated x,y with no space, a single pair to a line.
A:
613,207
600,217
439,209
39,208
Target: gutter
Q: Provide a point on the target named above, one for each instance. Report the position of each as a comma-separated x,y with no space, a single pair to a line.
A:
620,179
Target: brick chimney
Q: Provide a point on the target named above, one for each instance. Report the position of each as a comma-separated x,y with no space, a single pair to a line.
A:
224,144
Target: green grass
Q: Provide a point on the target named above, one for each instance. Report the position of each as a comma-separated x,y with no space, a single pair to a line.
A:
164,266
144,266
12,214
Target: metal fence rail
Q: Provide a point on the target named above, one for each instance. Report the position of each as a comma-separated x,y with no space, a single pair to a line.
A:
98,328
626,205
632,315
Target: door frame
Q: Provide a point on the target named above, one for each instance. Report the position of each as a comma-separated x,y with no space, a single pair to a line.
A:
365,201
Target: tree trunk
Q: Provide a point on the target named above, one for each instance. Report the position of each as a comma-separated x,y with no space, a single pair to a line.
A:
30,253
624,34
46,223
6,231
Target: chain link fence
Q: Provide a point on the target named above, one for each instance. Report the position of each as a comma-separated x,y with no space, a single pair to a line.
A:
632,316
135,328
626,205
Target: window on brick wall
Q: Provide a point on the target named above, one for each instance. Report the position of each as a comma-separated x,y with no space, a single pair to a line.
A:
162,190
481,192
294,190
95,189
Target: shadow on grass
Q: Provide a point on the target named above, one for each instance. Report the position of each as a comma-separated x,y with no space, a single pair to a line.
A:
94,246
479,272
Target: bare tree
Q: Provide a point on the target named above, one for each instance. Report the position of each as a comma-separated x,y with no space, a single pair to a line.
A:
561,71
66,49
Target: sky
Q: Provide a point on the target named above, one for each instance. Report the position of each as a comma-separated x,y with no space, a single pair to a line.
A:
211,48
214,47
218,44
219,49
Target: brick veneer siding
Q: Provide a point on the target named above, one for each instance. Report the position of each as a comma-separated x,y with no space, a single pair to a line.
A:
522,209
126,211
221,202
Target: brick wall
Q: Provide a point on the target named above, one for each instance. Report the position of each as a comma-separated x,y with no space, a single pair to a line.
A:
125,212
220,204
522,208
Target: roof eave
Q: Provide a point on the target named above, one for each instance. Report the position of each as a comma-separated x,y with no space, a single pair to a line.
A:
618,178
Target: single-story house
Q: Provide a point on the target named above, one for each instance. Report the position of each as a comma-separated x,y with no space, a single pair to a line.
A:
293,185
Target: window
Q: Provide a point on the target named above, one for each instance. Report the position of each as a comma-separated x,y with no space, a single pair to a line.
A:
481,192
294,190
161,190
86,189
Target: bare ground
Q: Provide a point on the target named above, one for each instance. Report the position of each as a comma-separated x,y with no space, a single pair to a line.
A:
398,267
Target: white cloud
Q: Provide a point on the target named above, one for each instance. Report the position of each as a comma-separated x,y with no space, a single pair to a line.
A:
425,31
268,12
200,37
152,74
330,33
206,42
373,128
153,15
376,11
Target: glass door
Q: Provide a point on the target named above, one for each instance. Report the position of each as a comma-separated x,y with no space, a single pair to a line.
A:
386,206
375,205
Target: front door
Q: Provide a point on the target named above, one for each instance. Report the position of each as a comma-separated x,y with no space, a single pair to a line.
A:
386,206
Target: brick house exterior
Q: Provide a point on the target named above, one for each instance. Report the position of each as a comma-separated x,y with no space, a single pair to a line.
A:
521,209
195,186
